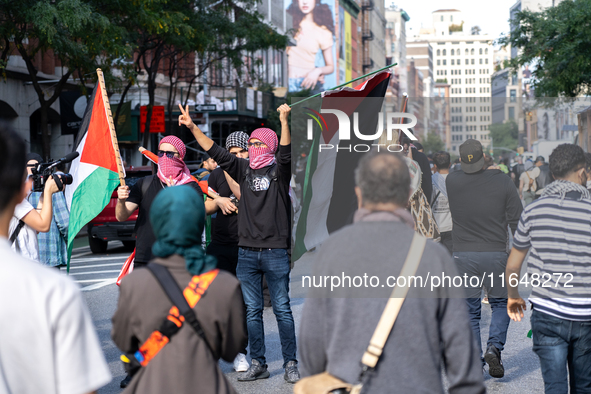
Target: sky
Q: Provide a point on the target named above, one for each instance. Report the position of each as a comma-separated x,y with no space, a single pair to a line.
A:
491,15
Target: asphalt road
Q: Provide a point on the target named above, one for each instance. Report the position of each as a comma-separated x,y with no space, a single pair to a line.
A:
96,275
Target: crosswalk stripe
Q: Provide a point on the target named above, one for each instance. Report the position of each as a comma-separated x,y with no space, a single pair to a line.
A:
93,266
78,261
96,272
95,280
99,285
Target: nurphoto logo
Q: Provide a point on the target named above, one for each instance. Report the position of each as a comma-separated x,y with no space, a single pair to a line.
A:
344,129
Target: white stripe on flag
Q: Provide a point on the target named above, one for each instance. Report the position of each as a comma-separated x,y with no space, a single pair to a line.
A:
322,185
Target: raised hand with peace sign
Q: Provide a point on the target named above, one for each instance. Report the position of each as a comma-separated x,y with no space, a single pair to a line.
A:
185,119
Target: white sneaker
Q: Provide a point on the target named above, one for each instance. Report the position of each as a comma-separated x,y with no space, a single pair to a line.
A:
240,363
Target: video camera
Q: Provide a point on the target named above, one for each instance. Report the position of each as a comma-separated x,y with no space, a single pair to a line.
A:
42,172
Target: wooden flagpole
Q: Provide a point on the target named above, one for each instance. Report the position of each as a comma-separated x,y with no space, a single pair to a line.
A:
101,80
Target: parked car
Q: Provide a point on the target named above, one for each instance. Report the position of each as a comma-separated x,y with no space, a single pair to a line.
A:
105,227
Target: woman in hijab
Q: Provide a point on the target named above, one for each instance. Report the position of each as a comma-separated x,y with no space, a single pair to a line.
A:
186,363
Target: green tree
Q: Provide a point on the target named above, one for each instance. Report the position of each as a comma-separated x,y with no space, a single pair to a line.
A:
433,143
75,31
504,135
164,32
557,44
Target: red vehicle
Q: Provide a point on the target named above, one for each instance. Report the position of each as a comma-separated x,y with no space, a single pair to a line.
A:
105,227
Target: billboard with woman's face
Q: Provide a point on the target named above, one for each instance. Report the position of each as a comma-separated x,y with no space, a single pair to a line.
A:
312,61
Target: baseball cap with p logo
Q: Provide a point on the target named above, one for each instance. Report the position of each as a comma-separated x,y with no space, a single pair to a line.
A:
472,157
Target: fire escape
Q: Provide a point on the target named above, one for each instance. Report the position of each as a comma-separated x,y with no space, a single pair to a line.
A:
366,34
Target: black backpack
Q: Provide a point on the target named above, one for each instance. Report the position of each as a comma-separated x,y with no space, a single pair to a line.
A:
545,178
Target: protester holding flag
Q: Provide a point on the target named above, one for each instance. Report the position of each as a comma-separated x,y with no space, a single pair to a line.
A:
172,171
264,221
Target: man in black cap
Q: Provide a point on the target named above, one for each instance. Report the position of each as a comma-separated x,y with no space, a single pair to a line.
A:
482,204
545,178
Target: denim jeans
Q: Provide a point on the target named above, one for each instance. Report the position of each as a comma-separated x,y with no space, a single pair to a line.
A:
558,343
274,264
482,264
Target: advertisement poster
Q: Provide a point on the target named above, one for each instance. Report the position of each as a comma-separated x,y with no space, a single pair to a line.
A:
312,62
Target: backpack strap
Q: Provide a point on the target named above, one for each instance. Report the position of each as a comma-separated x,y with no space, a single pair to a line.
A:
181,311
16,231
173,291
146,185
388,318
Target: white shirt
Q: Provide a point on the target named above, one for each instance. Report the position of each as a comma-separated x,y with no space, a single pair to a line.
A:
26,242
48,343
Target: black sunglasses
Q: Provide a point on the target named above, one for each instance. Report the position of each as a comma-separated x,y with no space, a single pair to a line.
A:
170,155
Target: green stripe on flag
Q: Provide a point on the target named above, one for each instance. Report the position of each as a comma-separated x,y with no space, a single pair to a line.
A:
89,199
300,247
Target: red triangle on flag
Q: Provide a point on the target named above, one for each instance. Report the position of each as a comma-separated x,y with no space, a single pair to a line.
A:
98,149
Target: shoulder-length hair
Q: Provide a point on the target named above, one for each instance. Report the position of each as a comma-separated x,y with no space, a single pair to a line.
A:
322,15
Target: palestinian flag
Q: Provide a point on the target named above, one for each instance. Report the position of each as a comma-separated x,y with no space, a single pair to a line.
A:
94,170
328,200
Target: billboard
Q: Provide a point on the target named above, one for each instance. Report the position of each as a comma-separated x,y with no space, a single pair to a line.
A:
312,61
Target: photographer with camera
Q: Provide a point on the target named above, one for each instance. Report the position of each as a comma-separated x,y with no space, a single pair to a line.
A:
27,220
52,244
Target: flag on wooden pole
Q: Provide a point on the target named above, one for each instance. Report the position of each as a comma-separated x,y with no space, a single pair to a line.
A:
98,169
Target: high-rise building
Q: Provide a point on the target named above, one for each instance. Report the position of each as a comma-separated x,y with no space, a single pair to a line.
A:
465,62
396,19
373,32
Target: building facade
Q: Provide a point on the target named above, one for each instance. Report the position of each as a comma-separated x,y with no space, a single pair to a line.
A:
465,62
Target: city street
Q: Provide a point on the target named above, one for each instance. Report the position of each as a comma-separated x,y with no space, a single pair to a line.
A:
96,275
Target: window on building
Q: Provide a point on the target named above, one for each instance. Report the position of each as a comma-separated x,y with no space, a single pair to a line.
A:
467,52
472,51
513,95
480,51
444,52
511,112
438,62
467,61
444,62
452,62
452,52
439,52
486,51
441,18
451,18
481,61
486,61
472,61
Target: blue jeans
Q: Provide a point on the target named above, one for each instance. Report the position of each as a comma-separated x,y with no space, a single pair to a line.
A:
481,264
274,264
558,343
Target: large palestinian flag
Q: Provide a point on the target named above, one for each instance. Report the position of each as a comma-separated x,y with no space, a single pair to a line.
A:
328,200
94,170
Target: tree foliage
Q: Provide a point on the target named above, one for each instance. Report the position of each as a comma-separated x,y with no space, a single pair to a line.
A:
433,143
75,31
504,135
557,44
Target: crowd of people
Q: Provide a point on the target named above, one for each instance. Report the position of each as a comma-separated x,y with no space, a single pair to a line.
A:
490,219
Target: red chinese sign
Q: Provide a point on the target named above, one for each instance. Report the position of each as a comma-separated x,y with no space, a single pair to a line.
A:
157,124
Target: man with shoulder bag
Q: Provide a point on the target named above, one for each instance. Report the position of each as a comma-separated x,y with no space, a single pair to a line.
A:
343,324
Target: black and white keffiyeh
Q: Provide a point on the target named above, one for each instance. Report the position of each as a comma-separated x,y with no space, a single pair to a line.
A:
237,138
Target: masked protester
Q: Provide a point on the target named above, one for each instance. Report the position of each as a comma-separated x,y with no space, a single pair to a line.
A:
189,360
264,220
172,171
